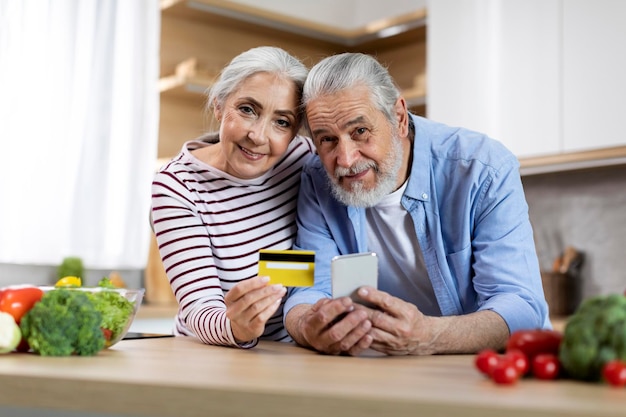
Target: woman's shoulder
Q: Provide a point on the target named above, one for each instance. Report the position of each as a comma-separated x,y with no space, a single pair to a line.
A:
303,143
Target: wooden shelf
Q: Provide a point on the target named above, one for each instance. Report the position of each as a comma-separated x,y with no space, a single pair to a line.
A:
571,161
208,10
188,80
199,37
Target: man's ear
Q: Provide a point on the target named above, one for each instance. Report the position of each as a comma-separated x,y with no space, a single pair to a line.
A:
402,117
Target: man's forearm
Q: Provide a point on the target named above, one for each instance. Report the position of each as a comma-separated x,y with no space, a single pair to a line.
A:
293,324
466,334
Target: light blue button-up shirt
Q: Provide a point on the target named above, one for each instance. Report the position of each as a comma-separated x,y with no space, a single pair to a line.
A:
470,214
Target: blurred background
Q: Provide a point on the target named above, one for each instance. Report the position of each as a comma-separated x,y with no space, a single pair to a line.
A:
95,95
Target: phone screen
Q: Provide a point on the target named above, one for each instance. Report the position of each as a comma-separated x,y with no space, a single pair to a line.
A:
350,272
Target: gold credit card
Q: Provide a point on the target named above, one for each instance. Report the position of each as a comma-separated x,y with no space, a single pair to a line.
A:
292,268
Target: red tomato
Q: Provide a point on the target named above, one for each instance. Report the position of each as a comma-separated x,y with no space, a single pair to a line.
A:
614,373
546,366
107,333
486,360
505,372
18,299
519,360
534,342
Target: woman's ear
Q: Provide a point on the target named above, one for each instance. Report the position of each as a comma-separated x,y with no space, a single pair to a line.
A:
217,111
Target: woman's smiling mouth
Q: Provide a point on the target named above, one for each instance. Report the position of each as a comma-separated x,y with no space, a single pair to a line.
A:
251,155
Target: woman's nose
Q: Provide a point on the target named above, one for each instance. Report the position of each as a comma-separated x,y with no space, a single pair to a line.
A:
259,131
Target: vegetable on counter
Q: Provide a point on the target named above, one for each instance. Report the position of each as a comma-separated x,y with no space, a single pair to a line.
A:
114,308
10,333
71,266
534,342
64,322
528,353
18,299
69,281
594,336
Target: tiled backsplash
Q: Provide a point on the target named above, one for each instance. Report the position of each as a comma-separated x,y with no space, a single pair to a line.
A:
586,210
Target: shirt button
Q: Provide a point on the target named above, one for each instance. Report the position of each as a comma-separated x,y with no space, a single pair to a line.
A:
425,196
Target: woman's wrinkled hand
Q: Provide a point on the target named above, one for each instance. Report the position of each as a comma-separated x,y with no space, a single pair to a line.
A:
249,305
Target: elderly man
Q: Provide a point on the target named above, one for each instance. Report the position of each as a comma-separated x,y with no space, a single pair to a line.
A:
442,207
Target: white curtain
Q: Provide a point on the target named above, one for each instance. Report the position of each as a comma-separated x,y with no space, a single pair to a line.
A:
78,130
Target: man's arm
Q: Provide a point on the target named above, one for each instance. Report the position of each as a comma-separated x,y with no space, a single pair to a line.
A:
399,328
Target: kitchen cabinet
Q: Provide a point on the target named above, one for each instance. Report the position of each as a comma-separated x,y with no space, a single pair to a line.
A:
493,66
542,76
594,68
199,38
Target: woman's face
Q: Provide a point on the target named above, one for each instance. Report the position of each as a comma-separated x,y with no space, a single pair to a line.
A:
257,122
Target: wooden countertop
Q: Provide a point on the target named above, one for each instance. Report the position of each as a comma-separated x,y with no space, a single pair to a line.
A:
179,376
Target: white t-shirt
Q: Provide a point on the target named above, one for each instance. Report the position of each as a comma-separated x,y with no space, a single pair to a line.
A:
391,234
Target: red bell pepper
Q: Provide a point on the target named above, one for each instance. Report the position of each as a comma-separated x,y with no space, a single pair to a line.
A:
18,299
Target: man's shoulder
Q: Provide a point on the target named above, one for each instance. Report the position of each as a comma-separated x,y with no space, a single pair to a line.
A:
314,165
463,144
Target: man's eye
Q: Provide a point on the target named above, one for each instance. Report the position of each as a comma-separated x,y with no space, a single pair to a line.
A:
361,131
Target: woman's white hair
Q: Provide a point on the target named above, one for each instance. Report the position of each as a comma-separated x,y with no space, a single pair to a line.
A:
267,59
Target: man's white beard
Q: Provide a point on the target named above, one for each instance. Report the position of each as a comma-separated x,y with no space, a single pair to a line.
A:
386,178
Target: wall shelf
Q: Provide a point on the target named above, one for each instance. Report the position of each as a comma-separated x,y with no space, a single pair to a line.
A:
386,28
570,161
199,37
189,81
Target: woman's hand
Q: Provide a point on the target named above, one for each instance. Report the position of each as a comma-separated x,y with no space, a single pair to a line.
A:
249,305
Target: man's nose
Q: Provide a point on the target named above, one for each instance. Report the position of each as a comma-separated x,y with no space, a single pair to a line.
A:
347,153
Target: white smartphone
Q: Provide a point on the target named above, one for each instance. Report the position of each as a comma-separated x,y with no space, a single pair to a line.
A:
350,272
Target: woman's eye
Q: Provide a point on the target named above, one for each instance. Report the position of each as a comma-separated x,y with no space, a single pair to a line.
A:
246,109
283,123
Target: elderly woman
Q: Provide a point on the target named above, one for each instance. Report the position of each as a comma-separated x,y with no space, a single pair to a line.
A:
229,194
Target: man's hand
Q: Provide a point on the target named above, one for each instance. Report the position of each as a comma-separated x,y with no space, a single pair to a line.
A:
330,326
399,328
249,305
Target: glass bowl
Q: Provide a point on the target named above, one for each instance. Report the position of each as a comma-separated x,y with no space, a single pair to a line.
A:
118,306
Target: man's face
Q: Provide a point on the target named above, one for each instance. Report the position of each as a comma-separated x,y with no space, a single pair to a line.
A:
364,157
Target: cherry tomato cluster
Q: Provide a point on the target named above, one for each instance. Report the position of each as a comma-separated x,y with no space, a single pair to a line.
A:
535,353
514,364
528,352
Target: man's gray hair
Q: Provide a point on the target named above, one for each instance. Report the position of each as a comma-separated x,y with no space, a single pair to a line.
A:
348,70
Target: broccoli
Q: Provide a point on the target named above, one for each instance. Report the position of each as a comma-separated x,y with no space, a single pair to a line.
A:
594,335
64,322
71,266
